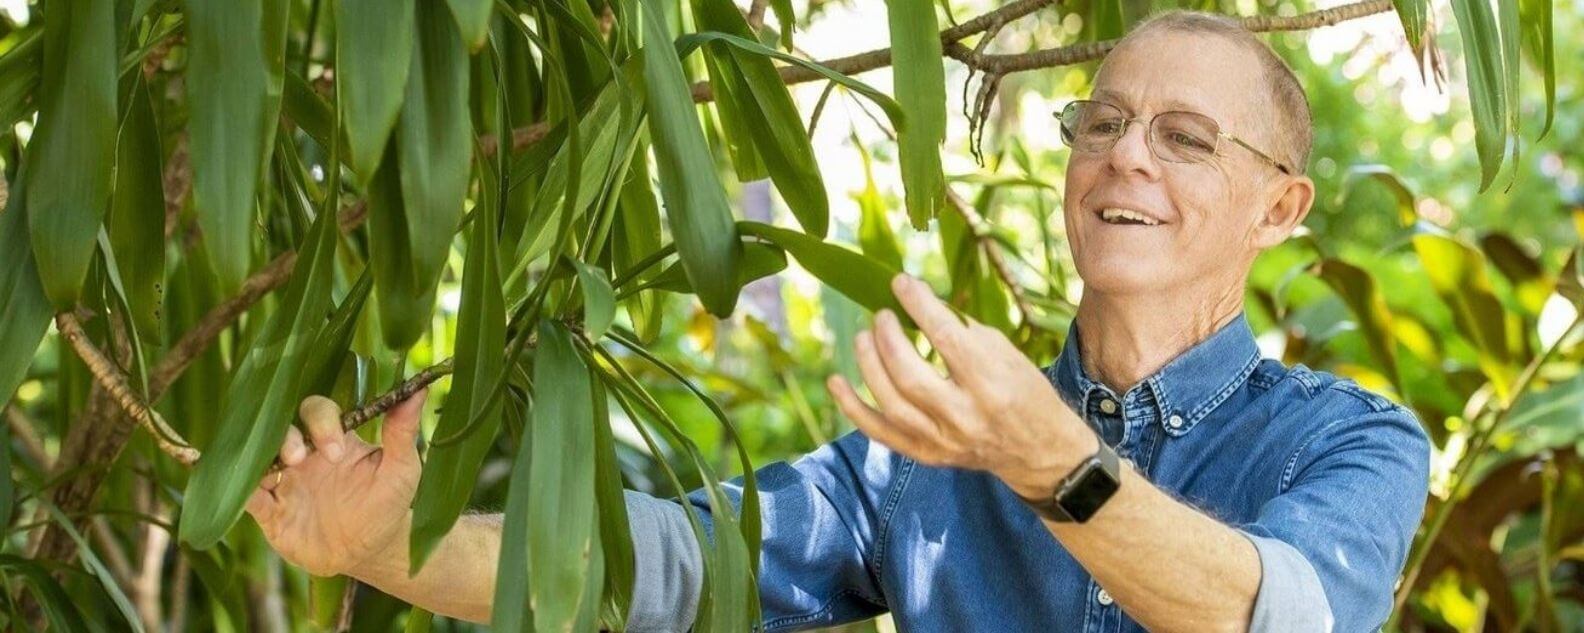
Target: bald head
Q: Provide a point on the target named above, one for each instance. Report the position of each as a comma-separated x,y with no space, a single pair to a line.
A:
1289,122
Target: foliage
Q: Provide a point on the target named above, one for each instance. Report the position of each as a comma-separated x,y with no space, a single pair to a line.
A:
214,192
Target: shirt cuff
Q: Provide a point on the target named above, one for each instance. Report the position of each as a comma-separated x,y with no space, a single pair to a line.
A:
668,570
1290,595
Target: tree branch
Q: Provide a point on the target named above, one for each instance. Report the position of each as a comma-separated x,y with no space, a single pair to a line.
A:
110,378
981,234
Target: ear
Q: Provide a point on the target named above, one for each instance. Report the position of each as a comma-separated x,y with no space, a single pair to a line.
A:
1278,221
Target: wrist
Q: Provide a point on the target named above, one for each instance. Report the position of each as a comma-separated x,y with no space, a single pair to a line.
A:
388,561
1039,476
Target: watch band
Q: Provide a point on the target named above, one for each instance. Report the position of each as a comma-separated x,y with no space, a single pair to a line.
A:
1083,491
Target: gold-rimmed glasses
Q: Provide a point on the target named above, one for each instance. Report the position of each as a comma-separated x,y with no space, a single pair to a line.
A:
1177,137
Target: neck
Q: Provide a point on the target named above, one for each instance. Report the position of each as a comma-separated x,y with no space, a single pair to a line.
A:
1127,338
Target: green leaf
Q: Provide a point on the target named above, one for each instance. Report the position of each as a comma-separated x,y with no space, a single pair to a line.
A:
137,214
615,534
58,607
599,301
787,18
771,119
860,278
1415,16
229,80
434,155
1531,285
889,106
1407,212
305,109
550,507
73,146
24,310
1535,20
330,348
472,18
874,230
921,89
758,261
1482,58
7,484
19,77
1363,297
1457,273
696,207
451,471
263,395
636,235
95,567
374,49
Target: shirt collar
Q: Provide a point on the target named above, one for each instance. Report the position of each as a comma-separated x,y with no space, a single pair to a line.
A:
1185,390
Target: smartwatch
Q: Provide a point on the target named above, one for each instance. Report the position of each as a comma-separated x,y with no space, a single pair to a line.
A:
1083,491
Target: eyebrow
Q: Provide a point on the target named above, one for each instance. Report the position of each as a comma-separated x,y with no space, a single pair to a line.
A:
1120,100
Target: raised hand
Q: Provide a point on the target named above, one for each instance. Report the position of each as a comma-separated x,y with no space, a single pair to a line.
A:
342,501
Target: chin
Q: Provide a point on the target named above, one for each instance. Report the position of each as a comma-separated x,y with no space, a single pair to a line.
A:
1125,273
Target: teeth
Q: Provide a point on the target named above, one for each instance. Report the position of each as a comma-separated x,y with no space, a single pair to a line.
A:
1113,214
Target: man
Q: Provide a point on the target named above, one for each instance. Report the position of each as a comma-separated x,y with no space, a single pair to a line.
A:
1158,475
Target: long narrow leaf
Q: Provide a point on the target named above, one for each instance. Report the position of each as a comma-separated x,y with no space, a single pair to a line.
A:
1482,57
451,471
550,511
472,19
24,310
374,48
860,278
228,91
137,214
262,399
921,89
696,207
73,146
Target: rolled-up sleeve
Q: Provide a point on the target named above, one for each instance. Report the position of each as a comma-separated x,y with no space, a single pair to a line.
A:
1333,542
821,517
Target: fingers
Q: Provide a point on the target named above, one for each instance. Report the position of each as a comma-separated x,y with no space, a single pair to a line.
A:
933,317
323,419
293,450
913,376
871,422
398,438
262,505
897,408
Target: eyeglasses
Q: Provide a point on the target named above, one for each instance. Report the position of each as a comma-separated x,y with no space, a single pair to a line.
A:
1176,137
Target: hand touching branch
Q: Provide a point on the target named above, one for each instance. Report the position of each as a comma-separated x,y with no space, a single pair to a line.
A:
995,411
343,501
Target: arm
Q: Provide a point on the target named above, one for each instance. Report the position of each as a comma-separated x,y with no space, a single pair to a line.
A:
342,507
997,413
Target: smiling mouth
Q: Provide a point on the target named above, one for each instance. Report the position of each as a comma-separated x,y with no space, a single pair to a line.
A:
1126,217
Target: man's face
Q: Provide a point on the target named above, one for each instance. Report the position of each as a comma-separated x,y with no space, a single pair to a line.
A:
1202,218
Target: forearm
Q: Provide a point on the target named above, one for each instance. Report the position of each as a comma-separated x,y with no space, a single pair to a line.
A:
458,579
1168,565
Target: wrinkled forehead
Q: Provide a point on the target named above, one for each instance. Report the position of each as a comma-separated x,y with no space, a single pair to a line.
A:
1155,72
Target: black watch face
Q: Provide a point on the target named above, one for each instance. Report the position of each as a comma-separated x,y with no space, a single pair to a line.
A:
1090,492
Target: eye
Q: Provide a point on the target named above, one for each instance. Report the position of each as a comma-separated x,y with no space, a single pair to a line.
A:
1189,141
1107,127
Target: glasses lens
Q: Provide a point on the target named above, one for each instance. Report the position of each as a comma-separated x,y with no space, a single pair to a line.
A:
1184,137
1091,126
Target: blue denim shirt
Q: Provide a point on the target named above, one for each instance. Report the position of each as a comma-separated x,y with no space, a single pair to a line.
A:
1328,481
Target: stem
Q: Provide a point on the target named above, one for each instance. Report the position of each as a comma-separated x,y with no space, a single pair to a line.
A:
1465,465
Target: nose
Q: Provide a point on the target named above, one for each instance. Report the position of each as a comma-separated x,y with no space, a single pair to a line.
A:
1131,153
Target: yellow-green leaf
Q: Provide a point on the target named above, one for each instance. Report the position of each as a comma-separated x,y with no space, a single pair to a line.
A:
1363,297
1457,273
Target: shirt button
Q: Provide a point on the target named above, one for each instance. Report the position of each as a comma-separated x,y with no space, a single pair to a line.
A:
1108,405
1175,421
1104,598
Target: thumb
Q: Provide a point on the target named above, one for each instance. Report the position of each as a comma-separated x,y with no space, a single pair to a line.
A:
398,437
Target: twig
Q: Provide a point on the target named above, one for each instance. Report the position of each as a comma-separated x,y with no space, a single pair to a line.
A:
981,234
23,428
355,418
756,13
110,378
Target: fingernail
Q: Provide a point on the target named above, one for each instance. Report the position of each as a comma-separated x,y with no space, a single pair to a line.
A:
333,452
